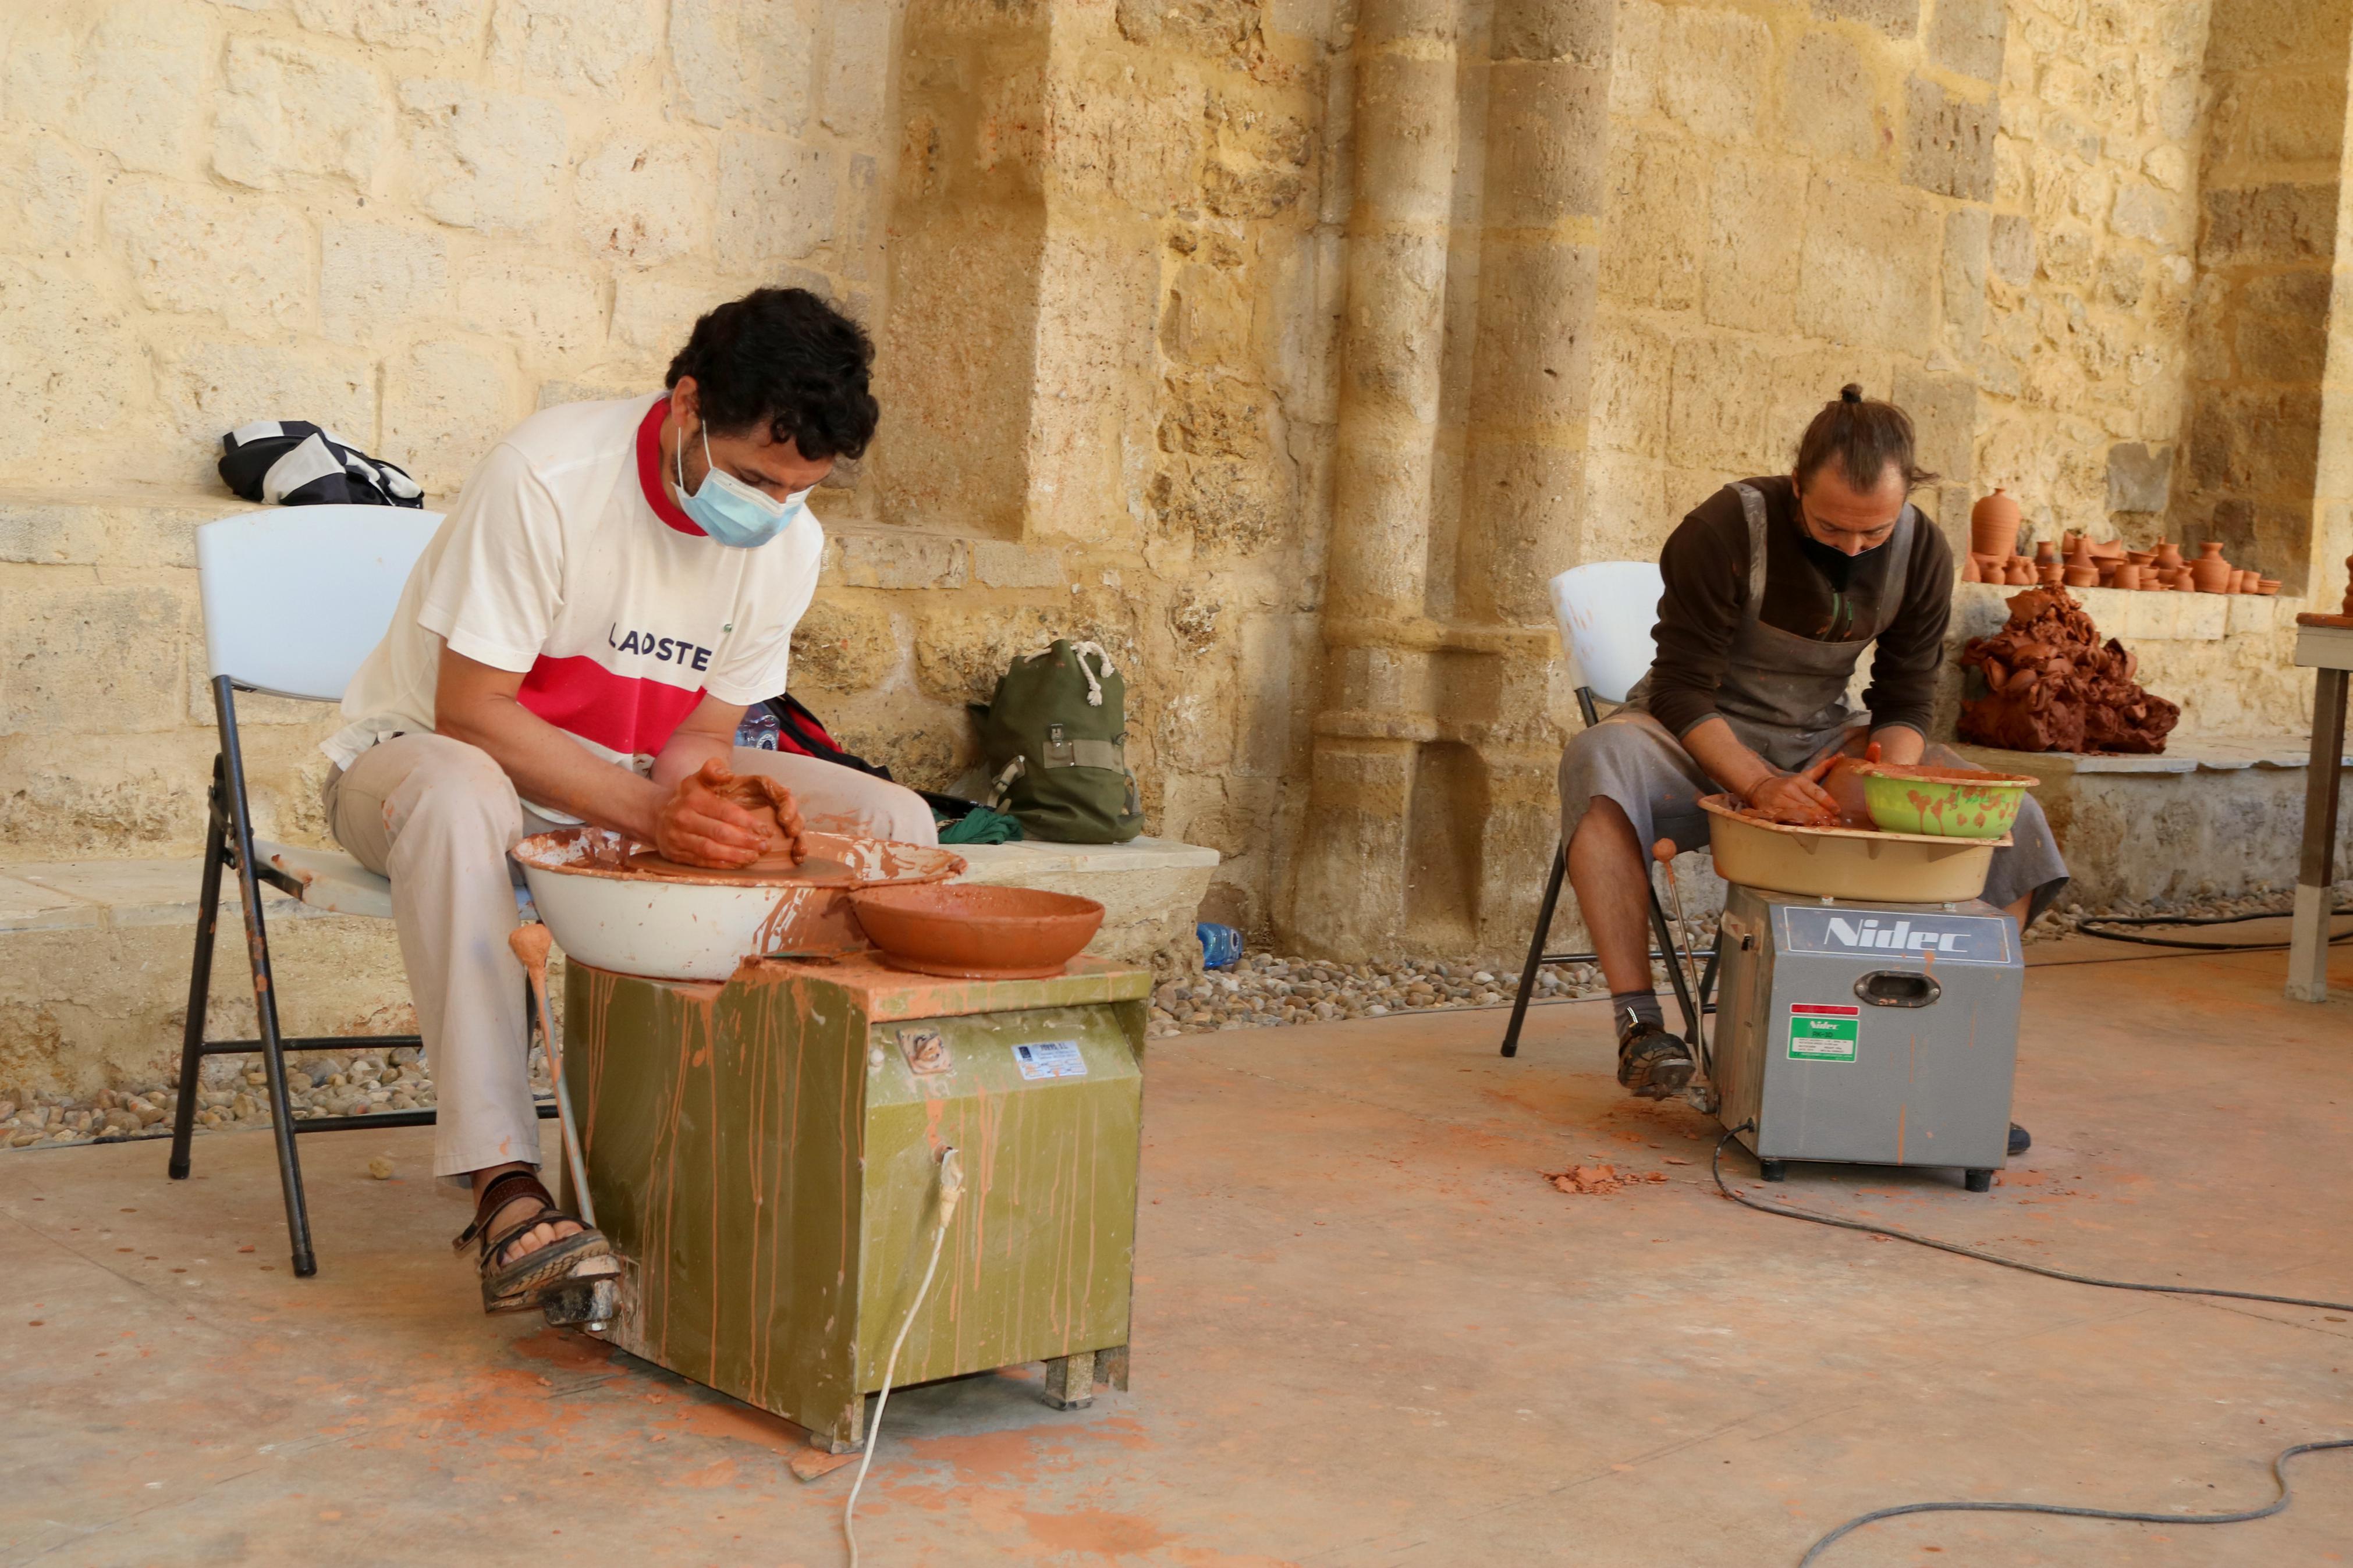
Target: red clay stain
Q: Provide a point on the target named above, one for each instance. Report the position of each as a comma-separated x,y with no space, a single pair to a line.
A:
564,1348
984,1457
717,1474
1094,1531
744,1424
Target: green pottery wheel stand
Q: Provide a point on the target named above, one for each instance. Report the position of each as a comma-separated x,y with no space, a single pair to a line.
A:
764,1156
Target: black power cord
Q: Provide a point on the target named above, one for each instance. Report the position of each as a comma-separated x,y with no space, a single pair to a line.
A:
2089,926
2279,1503
2279,1463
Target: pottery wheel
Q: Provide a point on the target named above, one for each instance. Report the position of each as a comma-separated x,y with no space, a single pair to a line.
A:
817,868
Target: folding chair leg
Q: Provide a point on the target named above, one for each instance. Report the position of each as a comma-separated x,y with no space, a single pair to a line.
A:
1536,951
1674,957
265,991
200,979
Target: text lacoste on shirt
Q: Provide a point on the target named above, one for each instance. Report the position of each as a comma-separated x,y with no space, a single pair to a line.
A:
662,650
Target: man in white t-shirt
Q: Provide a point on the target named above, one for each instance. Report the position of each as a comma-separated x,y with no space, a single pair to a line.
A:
616,584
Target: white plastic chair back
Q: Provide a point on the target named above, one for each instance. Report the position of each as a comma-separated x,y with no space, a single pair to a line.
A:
1606,610
296,597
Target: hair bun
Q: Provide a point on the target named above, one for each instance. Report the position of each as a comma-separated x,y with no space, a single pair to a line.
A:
1850,393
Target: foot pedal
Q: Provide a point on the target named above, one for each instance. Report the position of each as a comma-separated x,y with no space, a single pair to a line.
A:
587,1299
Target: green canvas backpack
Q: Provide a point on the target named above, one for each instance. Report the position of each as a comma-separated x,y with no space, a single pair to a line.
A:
1055,738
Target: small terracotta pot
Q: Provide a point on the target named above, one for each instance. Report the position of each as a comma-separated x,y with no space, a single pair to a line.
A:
2109,549
2108,569
2081,576
2125,575
1969,573
2210,574
2046,552
2022,573
2179,580
1993,523
2267,586
2141,557
2168,555
2247,579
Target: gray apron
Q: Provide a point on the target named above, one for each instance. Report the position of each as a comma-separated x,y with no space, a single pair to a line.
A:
1785,695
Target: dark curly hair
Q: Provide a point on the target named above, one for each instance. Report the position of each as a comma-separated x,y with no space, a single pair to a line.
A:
784,356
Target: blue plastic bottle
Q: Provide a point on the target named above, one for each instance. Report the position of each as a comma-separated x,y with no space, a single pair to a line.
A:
1221,945
759,727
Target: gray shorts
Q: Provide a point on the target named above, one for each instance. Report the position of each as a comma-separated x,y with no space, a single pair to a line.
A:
1632,759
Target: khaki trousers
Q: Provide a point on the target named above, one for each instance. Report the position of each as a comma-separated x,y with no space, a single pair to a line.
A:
437,818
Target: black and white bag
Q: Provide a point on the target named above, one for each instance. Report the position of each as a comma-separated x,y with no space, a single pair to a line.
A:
286,462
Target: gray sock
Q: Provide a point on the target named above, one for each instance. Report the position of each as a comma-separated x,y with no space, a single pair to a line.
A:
1643,1004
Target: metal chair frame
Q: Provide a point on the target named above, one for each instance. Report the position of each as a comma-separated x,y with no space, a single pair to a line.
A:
1693,1008
228,846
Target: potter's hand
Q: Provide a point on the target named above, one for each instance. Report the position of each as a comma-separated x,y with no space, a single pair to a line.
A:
701,826
764,796
1798,798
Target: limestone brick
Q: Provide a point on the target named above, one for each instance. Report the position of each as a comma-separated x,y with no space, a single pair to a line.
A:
211,386
640,199
1637,51
856,90
190,250
1968,239
445,25
51,315
74,652
140,89
1630,395
775,198
1657,208
2145,213
1713,419
576,44
1944,410
47,188
1948,142
1259,164
655,314
372,275
555,309
749,64
2013,249
1716,85
446,403
2269,225
492,162
841,646
1754,233
286,110
2140,477
1871,256
1896,19
1967,36
1827,107
1140,142
1000,564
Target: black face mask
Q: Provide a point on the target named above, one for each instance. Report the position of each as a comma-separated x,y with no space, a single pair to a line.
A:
1834,563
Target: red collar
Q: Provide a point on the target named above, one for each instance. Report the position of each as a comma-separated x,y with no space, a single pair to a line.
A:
650,474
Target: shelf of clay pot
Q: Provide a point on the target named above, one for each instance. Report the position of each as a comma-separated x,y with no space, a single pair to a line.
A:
1980,608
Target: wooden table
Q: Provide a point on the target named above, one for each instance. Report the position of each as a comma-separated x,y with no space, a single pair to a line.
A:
2324,644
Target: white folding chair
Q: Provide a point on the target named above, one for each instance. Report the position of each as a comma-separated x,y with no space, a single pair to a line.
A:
1606,611
295,598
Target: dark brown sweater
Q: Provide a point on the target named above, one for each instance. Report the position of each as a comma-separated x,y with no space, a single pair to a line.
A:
1705,563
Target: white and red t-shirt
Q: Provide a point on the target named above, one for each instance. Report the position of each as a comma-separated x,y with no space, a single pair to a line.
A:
567,562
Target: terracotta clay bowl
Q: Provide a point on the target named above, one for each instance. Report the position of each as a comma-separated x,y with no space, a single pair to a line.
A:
976,932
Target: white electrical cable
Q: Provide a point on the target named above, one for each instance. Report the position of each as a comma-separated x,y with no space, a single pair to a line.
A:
951,1193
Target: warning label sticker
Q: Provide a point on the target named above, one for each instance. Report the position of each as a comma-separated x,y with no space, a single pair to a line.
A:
1823,1031
1051,1058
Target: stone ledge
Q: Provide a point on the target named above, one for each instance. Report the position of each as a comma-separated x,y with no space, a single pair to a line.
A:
2216,817
1979,609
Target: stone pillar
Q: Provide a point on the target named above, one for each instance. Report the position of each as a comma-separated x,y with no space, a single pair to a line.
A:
1350,889
1523,490
1432,796
2249,469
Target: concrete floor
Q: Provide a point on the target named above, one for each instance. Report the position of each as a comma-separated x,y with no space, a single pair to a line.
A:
1368,1332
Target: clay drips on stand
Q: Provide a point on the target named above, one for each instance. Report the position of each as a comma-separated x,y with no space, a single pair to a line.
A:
2051,684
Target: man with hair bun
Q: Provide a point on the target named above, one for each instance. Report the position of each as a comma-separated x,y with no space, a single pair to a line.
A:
616,583
1774,588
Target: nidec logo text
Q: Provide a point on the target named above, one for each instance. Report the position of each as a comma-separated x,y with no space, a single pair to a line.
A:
1897,938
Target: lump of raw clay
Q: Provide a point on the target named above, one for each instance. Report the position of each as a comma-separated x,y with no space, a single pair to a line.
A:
2051,684
779,818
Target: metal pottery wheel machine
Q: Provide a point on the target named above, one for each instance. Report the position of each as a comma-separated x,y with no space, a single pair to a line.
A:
765,1144
1867,997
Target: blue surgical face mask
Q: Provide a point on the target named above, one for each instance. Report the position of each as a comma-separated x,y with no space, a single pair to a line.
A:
730,511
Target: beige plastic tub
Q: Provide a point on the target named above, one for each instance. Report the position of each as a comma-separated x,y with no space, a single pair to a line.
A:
1845,862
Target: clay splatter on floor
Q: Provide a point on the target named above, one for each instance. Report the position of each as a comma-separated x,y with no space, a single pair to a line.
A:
1596,1180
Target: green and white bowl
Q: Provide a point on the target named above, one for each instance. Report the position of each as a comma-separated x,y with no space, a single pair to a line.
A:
1947,802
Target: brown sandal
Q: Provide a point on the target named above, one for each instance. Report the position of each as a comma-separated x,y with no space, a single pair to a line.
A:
514,1285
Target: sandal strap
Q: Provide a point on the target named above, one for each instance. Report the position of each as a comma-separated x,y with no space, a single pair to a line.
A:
503,1191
